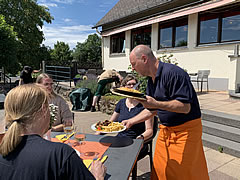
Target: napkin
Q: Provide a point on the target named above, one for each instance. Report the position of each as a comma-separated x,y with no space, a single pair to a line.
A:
88,162
62,138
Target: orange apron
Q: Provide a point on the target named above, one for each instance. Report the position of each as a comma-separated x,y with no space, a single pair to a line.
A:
179,153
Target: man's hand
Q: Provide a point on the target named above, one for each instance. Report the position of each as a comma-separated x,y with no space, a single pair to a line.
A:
150,103
127,123
98,170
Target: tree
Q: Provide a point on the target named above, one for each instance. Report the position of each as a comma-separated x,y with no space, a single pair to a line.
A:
8,47
27,18
89,53
61,54
44,54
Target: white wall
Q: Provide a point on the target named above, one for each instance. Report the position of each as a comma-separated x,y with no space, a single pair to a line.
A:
120,61
192,58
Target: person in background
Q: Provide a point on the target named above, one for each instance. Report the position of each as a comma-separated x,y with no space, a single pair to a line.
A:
24,154
108,76
26,75
179,150
127,108
64,113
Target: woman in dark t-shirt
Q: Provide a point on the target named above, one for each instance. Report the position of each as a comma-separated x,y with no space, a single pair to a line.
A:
127,108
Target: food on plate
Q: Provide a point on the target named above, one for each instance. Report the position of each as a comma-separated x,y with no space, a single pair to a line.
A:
108,126
129,90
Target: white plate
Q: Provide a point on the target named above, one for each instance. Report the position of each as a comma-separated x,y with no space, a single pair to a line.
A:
94,128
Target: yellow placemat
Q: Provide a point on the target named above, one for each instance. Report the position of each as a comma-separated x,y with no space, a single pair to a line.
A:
64,137
88,162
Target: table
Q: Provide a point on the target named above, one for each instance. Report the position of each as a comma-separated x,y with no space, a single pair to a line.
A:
122,154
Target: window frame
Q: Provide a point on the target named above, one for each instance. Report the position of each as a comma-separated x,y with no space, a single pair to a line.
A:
142,31
220,15
173,24
119,45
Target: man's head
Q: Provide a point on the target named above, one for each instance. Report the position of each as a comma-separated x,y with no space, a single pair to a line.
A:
28,69
140,58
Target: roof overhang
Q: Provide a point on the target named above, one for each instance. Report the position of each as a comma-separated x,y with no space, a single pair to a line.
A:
175,14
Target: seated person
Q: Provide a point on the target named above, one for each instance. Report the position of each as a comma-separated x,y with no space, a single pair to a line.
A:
24,154
127,108
64,112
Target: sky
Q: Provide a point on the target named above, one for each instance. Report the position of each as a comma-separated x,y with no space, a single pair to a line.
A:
73,19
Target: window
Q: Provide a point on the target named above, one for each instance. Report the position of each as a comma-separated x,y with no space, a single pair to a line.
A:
141,36
173,34
118,43
219,26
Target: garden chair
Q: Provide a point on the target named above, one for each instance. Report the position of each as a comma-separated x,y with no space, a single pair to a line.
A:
202,76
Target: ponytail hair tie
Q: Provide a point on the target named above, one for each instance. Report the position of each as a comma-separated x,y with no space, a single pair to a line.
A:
16,120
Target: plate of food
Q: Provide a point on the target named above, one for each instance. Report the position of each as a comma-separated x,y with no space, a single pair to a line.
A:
108,127
129,92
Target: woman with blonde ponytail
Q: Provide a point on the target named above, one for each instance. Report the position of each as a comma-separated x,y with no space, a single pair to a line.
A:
23,105
24,154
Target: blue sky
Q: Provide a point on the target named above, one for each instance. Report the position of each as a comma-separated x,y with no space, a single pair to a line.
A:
73,19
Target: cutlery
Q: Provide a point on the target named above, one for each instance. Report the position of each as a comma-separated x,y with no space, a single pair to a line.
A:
64,137
94,159
102,160
67,137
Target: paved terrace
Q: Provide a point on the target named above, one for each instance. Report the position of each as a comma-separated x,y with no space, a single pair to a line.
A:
221,166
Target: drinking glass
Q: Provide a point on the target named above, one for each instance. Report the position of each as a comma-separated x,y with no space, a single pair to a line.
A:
79,138
68,128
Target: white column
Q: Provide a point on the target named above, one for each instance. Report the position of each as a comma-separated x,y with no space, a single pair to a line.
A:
154,37
192,31
234,75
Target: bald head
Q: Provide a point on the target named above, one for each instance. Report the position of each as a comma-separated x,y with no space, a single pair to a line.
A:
139,50
143,61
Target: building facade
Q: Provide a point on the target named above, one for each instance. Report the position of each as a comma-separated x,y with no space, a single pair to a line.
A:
201,35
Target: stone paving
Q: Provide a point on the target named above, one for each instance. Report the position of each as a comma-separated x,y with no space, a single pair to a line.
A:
221,166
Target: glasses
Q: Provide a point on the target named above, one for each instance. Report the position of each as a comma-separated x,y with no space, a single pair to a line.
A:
131,84
48,84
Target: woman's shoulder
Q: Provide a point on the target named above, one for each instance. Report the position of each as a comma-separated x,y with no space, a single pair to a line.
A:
122,101
56,99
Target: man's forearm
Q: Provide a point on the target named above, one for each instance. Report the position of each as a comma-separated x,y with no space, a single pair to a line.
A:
174,106
143,116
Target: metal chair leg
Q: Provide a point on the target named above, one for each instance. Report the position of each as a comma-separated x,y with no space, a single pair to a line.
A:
134,172
150,156
207,86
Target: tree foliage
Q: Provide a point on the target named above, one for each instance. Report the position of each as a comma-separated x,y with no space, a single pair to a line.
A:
27,18
8,47
89,53
61,54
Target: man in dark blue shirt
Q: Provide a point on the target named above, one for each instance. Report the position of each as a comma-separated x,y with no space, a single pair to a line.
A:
170,94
